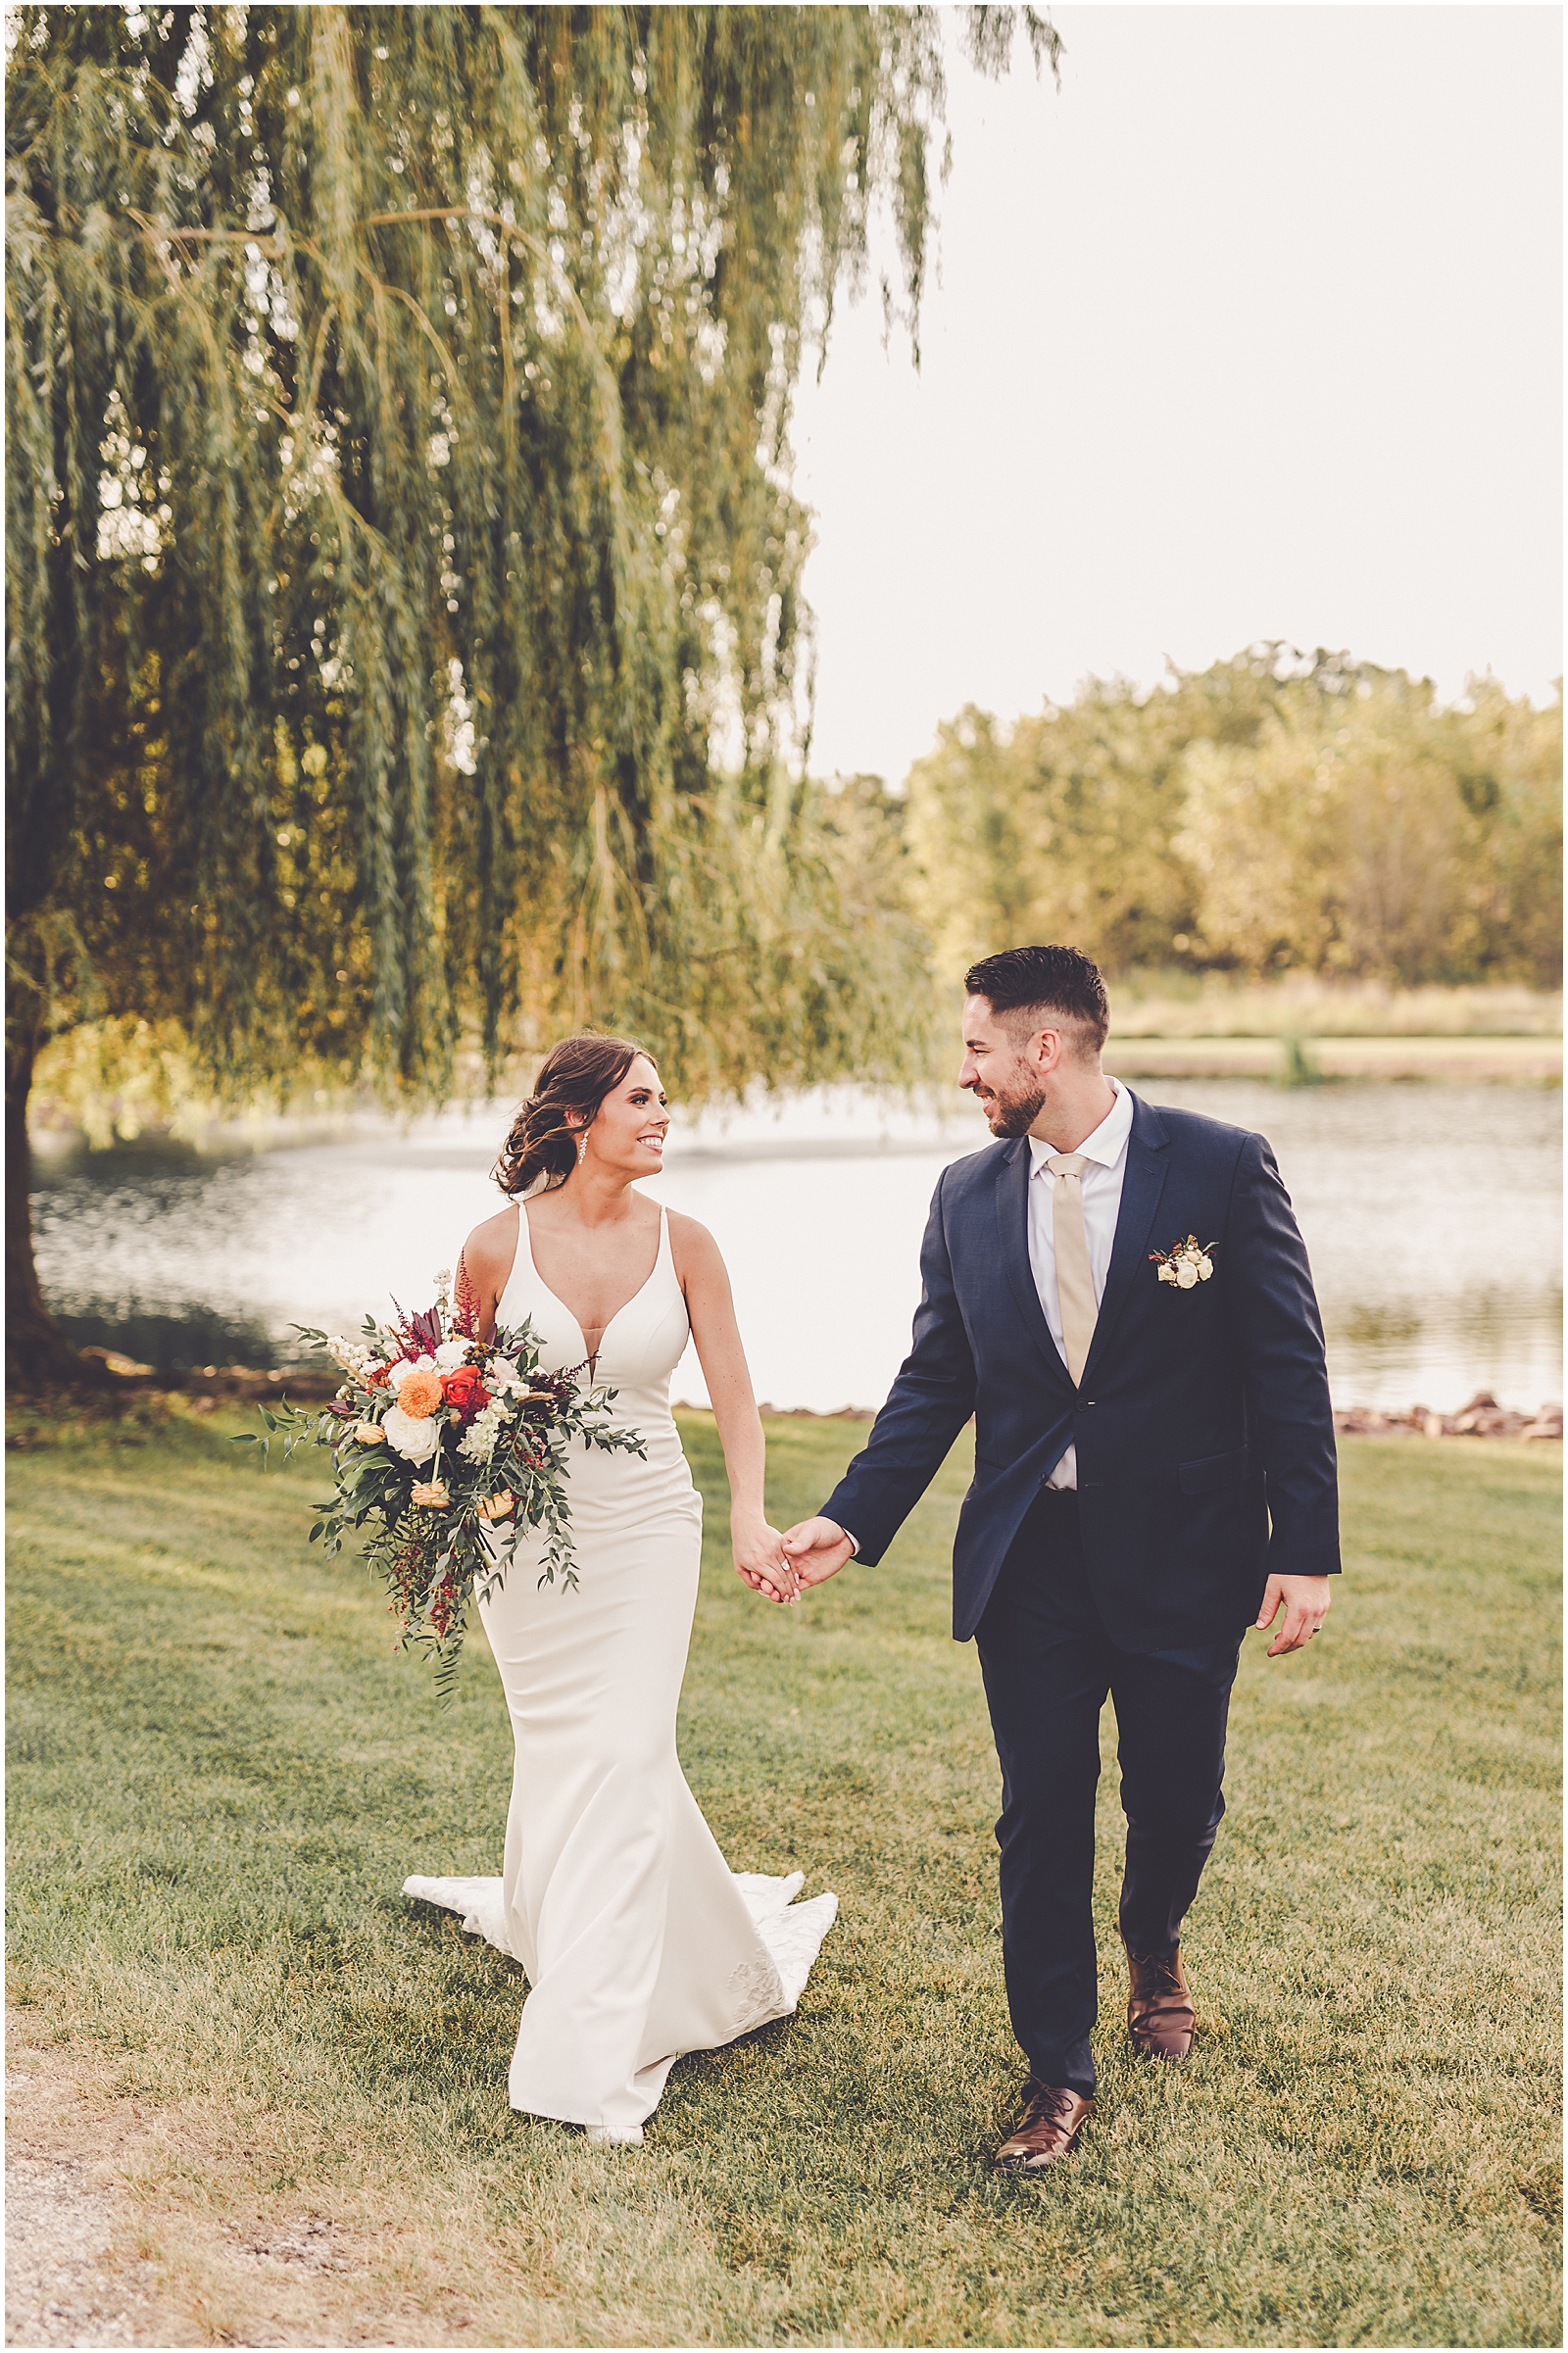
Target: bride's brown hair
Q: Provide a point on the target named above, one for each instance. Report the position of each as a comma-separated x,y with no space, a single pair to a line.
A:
573,1080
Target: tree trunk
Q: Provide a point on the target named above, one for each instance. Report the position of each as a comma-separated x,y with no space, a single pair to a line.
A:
37,1352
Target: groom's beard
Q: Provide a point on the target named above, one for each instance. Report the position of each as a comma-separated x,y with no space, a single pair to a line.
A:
1012,1115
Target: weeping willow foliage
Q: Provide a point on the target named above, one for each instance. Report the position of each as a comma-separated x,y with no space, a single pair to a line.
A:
404,618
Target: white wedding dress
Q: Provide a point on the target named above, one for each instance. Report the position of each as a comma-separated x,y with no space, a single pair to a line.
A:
637,1940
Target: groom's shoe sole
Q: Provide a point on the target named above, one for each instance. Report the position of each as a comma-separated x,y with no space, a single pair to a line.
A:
1046,2131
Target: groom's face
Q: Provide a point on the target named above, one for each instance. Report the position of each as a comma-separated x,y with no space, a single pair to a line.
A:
1002,1069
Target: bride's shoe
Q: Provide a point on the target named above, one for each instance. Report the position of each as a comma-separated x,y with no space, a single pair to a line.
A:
615,2137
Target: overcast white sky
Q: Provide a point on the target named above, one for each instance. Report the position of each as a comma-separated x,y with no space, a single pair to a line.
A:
1251,330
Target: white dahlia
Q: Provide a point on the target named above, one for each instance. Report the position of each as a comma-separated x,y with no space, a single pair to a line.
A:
414,1437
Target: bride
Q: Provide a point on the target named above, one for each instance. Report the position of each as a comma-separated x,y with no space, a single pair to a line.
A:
637,1940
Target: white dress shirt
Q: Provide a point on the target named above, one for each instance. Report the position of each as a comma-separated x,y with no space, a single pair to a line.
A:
1099,1184
1104,1156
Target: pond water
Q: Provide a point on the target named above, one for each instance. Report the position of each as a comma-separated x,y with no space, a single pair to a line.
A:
1432,1214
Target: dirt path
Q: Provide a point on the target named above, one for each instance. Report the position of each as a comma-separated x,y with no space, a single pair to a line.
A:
109,2242
64,2283
74,2275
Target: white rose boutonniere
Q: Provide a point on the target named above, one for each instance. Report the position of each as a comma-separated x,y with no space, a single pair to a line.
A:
1185,1263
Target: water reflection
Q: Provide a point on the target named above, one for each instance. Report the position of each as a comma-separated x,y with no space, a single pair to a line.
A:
819,1208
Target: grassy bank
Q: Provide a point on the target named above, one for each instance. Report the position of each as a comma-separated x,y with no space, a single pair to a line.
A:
221,1775
1167,1025
1294,1059
1175,1004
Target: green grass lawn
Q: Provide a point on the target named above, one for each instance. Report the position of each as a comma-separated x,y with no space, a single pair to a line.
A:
220,1773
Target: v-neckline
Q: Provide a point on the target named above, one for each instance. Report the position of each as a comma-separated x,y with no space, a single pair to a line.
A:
591,1357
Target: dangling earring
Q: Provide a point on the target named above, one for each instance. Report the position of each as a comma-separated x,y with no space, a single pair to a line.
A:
582,1145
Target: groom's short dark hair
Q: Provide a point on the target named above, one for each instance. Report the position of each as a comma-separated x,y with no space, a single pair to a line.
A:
1042,981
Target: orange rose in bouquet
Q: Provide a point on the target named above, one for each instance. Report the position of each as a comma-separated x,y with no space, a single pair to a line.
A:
464,1390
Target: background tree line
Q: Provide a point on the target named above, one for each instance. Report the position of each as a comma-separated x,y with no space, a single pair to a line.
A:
1273,813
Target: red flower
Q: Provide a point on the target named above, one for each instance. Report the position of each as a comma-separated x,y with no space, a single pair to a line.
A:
465,1389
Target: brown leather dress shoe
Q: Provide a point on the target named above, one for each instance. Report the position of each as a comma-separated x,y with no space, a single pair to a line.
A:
1159,2013
1048,2127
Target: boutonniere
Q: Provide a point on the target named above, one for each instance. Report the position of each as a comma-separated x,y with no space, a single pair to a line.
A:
1185,1262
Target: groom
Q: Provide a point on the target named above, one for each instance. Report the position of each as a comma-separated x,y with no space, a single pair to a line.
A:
1121,1298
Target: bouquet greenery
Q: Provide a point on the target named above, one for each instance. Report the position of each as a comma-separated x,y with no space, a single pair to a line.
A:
451,1449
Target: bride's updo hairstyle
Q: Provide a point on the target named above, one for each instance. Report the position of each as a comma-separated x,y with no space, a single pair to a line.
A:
573,1080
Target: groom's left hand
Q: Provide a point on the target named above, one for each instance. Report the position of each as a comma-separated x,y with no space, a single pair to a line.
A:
1305,1604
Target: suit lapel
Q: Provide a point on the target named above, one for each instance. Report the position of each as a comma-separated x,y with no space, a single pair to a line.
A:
1148,1159
1013,1233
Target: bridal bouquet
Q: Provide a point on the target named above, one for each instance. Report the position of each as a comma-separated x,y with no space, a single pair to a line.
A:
451,1449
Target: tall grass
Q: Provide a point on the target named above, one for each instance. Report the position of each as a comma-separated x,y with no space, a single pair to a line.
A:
220,1773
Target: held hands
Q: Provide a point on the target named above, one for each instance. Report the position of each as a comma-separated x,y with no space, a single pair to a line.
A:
761,1561
1306,1602
816,1549
782,1567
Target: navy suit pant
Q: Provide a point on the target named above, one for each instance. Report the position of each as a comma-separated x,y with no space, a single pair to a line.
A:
1048,1665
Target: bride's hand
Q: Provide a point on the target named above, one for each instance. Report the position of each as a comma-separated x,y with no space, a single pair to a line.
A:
761,1561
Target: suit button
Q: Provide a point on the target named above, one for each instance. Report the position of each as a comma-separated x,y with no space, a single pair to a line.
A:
1089,1400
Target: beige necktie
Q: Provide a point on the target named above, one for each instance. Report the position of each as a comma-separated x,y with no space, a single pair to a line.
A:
1075,1285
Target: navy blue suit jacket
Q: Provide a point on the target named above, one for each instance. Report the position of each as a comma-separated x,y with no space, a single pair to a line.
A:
1205,1442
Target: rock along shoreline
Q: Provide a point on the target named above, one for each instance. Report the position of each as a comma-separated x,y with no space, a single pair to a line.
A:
1482,1417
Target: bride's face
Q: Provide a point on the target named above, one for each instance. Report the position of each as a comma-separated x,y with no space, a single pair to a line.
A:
628,1130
